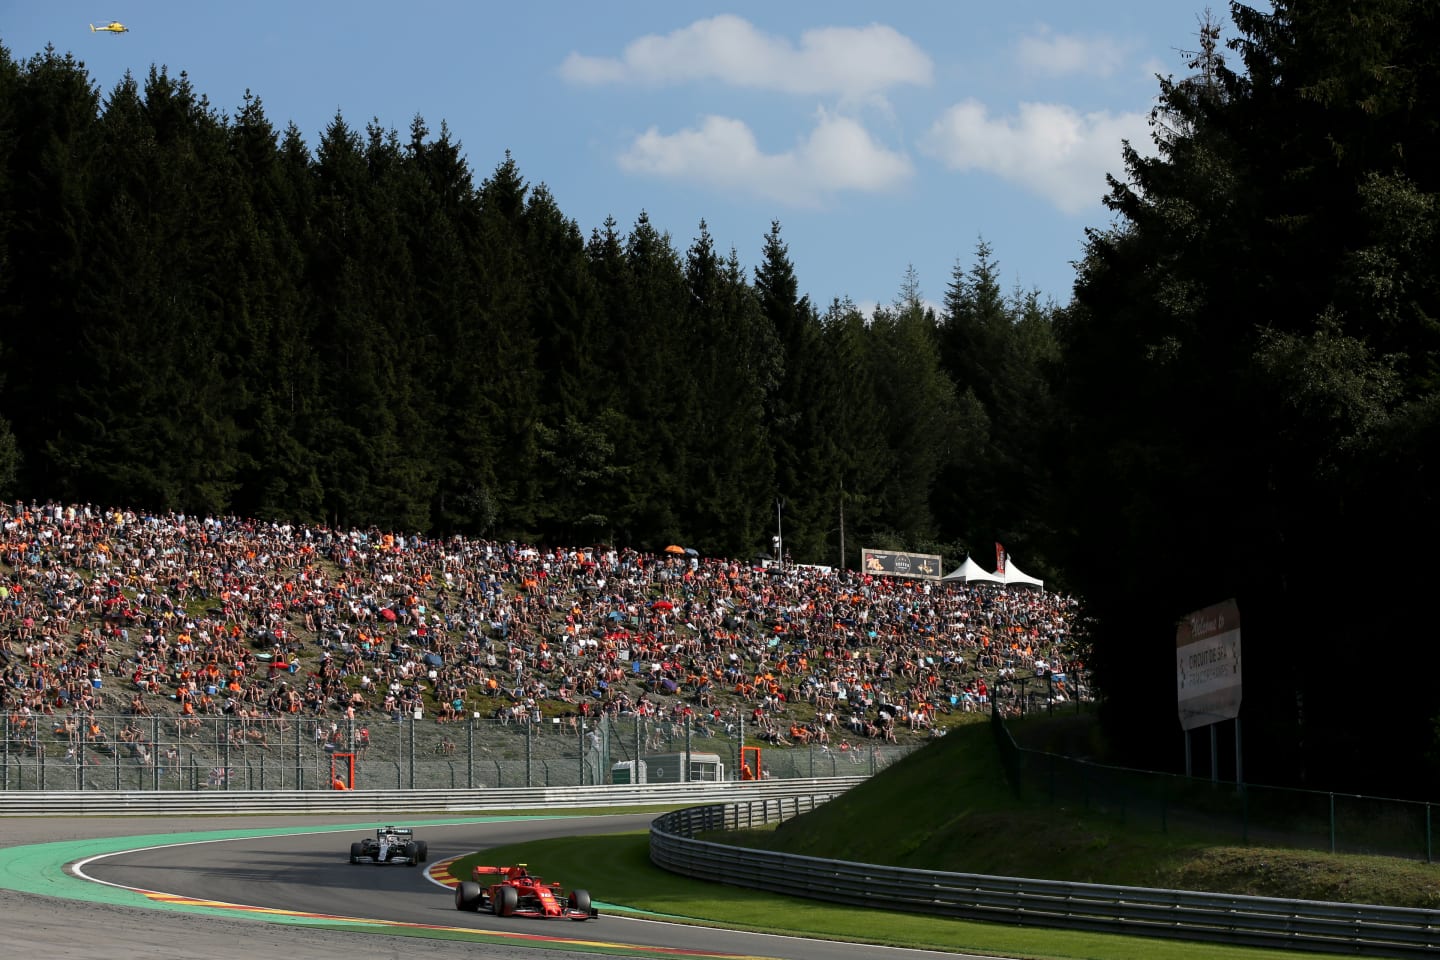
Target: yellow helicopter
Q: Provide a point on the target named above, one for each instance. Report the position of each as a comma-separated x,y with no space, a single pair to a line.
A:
114,26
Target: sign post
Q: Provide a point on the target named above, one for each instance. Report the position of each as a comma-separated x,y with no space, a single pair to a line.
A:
1207,674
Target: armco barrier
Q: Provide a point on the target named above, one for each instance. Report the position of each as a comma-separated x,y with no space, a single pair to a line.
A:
1219,918
241,802
1236,920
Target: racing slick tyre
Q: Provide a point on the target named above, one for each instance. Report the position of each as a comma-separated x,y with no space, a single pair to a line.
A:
411,853
467,896
357,850
506,898
422,851
580,900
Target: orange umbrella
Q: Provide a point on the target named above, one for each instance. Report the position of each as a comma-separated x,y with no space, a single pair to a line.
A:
674,549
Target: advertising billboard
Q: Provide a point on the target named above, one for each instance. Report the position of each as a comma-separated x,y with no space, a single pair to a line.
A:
890,563
1207,665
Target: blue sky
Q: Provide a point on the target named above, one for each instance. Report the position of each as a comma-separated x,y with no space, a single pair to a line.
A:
880,136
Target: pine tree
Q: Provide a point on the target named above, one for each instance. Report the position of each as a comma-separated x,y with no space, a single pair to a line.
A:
268,337
857,511
804,470
1247,358
728,357
51,116
910,384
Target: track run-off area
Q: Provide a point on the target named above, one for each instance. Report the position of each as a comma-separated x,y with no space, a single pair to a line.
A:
233,888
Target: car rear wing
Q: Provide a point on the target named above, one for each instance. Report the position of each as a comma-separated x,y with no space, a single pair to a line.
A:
483,871
398,831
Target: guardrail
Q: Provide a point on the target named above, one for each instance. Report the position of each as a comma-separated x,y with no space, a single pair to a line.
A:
1219,918
244,802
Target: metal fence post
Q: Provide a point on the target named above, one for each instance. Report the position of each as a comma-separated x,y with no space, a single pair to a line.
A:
1245,817
80,751
470,753
739,750
1165,805
412,749
529,753
607,732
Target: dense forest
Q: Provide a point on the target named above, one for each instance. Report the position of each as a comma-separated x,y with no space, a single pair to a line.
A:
203,313
362,335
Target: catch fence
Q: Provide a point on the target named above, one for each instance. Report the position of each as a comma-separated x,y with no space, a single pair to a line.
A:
303,752
1210,809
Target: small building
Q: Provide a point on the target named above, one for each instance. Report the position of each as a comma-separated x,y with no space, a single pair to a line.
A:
669,768
624,772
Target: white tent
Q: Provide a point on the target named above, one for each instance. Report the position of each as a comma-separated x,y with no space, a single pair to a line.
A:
1017,577
971,572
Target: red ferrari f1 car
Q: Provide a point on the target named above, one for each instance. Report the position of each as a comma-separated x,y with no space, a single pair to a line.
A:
513,892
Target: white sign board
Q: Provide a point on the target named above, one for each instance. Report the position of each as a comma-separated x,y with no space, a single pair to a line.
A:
1207,665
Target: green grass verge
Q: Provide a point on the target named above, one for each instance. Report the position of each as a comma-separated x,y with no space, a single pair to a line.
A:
616,869
948,807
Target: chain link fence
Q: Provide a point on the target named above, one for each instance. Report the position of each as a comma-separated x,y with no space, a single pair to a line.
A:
1215,810
300,752
1228,812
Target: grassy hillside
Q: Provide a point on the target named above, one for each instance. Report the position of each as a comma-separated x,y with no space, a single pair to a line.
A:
947,807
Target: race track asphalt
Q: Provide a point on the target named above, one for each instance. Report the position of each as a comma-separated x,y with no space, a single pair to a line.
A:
296,868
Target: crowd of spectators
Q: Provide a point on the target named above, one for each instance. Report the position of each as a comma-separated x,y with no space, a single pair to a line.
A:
109,611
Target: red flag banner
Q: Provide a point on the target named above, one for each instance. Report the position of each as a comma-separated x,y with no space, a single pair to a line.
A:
999,560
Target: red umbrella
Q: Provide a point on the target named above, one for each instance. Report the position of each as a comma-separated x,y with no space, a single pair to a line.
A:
387,614
662,605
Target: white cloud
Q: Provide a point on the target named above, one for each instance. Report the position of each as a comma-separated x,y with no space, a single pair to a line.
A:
838,155
1049,149
1155,67
1058,54
844,61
